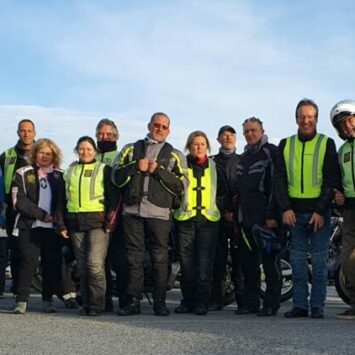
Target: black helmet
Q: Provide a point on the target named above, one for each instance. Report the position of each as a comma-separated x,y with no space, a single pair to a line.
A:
339,113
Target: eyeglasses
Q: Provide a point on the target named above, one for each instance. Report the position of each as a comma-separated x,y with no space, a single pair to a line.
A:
160,126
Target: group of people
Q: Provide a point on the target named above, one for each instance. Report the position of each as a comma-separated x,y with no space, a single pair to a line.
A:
106,204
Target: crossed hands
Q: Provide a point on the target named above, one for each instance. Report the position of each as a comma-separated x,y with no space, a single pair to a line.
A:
147,165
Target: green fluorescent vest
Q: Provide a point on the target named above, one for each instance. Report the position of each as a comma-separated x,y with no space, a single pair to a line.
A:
107,158
208,192
84,184
304,164
346,161
9,167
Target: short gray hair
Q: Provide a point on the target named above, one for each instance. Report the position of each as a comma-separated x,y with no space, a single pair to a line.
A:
107,122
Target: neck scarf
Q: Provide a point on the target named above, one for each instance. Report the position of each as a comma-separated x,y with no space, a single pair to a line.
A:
43,172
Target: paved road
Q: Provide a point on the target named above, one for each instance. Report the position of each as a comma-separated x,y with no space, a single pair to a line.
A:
217,333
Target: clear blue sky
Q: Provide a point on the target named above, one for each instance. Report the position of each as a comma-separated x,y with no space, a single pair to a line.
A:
66,64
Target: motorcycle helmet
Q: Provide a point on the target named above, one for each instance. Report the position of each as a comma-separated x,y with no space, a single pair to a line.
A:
339,113
266,239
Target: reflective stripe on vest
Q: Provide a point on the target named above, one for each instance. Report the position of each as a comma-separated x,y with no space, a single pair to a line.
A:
84,185
107,158
347,164
9,167
304,164
208,190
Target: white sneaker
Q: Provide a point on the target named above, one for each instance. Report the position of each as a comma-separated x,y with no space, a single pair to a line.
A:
20,308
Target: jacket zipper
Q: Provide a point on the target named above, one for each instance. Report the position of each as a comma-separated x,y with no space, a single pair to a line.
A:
302,167
80,177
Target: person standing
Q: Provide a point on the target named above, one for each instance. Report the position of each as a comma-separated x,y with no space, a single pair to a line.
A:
342,117
150,174
255,174
306,174
107,136
229,230
3,237
11,160
36,191
197,224
91,205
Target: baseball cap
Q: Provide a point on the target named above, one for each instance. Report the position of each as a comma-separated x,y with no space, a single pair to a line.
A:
226,128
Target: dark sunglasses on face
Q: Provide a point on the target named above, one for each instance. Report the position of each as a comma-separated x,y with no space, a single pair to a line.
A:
160,126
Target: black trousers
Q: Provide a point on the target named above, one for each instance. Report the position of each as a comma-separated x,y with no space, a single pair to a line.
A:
251,258
273,279
67,283
117,260
13,253
196,241
228,244
33,243
135,231
3,261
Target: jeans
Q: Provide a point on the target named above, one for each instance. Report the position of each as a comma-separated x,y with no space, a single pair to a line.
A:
197,240
136,231
90,248
303,241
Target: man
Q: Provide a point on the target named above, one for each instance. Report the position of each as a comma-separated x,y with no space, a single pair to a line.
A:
306,175
255,174
227,161
107,136
150,173
11,160
342,117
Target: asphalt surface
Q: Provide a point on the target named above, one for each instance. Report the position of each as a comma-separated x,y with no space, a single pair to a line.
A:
220,332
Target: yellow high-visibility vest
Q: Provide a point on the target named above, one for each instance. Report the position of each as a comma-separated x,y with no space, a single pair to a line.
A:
84,185
347,164
9,167
208,190
304,164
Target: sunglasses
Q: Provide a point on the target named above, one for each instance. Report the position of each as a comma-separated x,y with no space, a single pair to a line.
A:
160,126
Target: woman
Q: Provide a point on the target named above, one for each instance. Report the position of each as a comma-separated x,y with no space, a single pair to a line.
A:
197,223
36,191
92,203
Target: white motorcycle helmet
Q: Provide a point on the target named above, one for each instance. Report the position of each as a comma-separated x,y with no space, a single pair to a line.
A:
339,113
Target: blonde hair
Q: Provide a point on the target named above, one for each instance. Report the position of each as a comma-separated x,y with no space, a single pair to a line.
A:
46,142
192,136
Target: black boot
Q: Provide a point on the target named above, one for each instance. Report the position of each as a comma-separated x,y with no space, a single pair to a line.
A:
160,308
109,307
132,308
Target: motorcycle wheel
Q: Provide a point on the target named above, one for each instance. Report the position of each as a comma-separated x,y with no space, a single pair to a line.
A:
229,296
340,285
287,283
